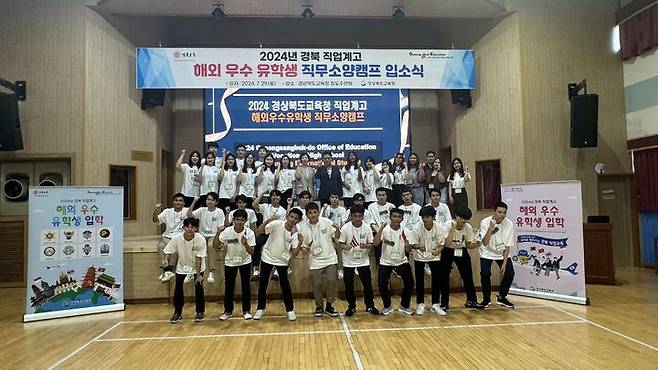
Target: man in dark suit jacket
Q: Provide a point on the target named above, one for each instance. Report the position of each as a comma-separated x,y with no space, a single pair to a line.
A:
330,179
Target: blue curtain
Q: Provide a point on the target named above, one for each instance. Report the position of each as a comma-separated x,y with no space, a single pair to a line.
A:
648,231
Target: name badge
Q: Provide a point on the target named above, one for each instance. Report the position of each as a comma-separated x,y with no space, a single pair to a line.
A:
459,252
316,251
458,190
431,186
357,254
395,255
228,186
285,255
237,259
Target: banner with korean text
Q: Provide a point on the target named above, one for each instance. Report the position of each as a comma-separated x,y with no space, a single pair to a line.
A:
191,68
75,251
549,253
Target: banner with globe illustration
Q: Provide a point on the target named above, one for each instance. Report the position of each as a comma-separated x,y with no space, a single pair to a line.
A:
75,251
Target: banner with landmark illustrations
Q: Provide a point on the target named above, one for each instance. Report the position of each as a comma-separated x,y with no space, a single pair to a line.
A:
75,251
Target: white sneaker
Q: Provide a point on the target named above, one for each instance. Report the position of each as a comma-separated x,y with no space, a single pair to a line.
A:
247,315
259,314
166,276
438,310
420,309
292,316
387,311
428,271
188,279
340,274
225,316
406,310
211,277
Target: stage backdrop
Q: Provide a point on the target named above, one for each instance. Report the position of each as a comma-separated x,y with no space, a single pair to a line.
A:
549,254
370,122
180,68
75,251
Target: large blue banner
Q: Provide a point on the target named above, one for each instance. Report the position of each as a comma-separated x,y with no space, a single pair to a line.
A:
286,121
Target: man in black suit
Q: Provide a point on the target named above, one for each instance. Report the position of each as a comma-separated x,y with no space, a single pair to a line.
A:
330,179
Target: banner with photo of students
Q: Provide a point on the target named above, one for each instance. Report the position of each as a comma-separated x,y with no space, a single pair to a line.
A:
75,251
549,253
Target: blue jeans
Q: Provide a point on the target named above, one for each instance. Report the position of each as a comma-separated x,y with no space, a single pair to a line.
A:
485,277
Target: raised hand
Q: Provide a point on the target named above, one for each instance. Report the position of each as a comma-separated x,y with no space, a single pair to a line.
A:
290,200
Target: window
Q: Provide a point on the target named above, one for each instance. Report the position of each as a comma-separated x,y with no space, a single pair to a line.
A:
125,176
487,182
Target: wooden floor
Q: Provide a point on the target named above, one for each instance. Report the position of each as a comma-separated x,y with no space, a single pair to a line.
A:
618,330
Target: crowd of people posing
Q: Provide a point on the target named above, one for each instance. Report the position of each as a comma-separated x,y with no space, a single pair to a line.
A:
259,214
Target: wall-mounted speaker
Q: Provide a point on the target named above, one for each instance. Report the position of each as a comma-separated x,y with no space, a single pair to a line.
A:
153,98
10,123
462,97
584,121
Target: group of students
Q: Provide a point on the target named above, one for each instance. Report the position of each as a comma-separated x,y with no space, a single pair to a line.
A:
259,237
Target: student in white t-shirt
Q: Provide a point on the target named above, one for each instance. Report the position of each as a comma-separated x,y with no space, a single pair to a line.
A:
240,155
352,175
262,153
370,181
442,215
354,243
211,219
459,240
410,209
265,177
267,210
395,244
246,181
228,181
459,175
283,243
319,233
386,179
426,239
173,220
238,242
497,236
208,176
303,200
338,215
190,247
190,187
241,203
378,214
284,178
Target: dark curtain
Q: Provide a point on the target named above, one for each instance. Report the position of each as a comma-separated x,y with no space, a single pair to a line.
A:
646,179
491,184
639,33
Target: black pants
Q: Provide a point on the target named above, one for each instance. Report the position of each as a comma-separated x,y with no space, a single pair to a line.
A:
230,273
378,253
459,200
396,196
465,271
404,270
485,276
366,282
179,296
419,269
258,250
348,201
265,271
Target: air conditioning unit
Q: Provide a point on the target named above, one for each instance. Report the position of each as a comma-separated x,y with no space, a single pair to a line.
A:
52,173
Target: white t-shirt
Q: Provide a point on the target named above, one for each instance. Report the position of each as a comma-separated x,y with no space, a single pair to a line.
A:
460,237
320,238
442,213
210,180
187,251
393,252
500,239
248,183
366,217
251,217
351,177
227,186
369,183
266,182
398,176
385,181
379,214
431,239
337,215
276,250
173,220
236,254
286,178
304,219
208,221
190,186
239,162
411,215
457,181
268,210
355,236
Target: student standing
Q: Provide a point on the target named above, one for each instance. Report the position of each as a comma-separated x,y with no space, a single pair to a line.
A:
208,176
379,217
190,187
435,180
399,182
338,215
370,181
246,180
442,214
284,241
413,178
190,248
305,176
386,179
173,220
497,235
210,219
262,153
240,155
265,178
410,209
457,185
284,178
228,175
267,210
352,177
394,244
330,179
241,203
238,241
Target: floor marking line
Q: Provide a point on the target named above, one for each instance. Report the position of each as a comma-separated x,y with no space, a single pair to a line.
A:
56,364
224,335
465,326
355,354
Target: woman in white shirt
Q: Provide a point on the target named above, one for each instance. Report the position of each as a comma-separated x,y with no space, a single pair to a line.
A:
370,182
265,178
284,178
190,187
386,180
228,187
352,176
246,180
457,185
398,179
208,176
305,176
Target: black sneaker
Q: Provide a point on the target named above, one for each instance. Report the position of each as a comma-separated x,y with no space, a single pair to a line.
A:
199,317
472,304
444,308
373,311
350,311
176,318
502,301
330,310
485,304
317,312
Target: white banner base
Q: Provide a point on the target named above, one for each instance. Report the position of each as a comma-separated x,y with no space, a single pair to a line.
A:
550,296
74,312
